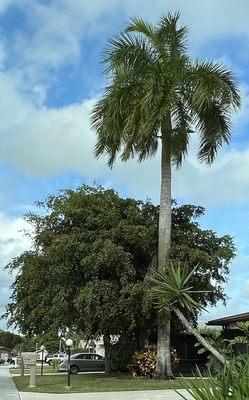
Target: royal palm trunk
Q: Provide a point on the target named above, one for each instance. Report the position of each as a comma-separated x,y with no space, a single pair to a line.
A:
163,367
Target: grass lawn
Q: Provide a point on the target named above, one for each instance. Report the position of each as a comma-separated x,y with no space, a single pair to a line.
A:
95,383
47,369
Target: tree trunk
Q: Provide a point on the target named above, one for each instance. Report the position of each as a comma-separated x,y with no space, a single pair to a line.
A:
107,346
200,338
163,366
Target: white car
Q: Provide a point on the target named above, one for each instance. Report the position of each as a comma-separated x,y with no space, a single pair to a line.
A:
57,356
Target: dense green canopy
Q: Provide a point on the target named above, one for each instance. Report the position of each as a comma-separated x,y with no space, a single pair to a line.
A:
91,252
9,339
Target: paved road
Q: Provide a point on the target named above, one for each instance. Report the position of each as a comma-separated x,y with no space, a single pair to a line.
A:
8,390
131,395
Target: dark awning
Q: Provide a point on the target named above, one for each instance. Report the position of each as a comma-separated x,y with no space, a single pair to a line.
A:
230,320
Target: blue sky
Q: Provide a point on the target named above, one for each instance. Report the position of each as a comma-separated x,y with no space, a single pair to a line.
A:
50,77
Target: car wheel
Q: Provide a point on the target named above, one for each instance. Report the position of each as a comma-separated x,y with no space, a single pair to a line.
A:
74,369
49,362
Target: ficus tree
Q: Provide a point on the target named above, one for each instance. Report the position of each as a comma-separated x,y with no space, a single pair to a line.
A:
156,97
91,253
91,250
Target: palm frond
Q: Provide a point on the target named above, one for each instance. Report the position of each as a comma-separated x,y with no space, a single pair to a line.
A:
139,25
174,38
126,51
212,81
215,130
214,96
181,124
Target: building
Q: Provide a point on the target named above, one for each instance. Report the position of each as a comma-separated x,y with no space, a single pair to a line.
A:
4,353
228,325
93,346
229,322
96,345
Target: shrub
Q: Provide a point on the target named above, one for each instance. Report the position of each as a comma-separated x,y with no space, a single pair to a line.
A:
121,355
1,361
224,346
144,362
231,383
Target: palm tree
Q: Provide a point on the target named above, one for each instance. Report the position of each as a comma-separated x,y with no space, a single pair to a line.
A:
172,291
157,95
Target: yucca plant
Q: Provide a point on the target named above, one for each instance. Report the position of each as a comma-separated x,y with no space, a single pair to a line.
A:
231,384
172,292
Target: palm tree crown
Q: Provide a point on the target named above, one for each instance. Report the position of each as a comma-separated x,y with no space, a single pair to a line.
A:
155,86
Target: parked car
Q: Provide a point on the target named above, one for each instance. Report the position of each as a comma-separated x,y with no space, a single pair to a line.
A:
56,356
81,362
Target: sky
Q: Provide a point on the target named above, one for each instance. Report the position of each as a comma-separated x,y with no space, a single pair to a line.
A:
50,78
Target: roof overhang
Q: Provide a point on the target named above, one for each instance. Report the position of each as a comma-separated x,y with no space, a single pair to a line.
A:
231,320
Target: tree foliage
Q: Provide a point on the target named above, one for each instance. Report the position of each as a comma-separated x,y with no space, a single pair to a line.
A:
154,84
9,339
91,253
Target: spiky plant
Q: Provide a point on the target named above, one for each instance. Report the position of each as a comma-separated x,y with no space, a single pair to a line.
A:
231,384
172,291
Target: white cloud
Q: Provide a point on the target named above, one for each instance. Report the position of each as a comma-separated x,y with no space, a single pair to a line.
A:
57,29
60,26
43,141
12,243
46,141
206,19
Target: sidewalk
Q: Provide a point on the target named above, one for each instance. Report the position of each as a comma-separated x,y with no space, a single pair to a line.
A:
8,390
129,395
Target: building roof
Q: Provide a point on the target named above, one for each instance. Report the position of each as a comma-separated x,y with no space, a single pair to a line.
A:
233,319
